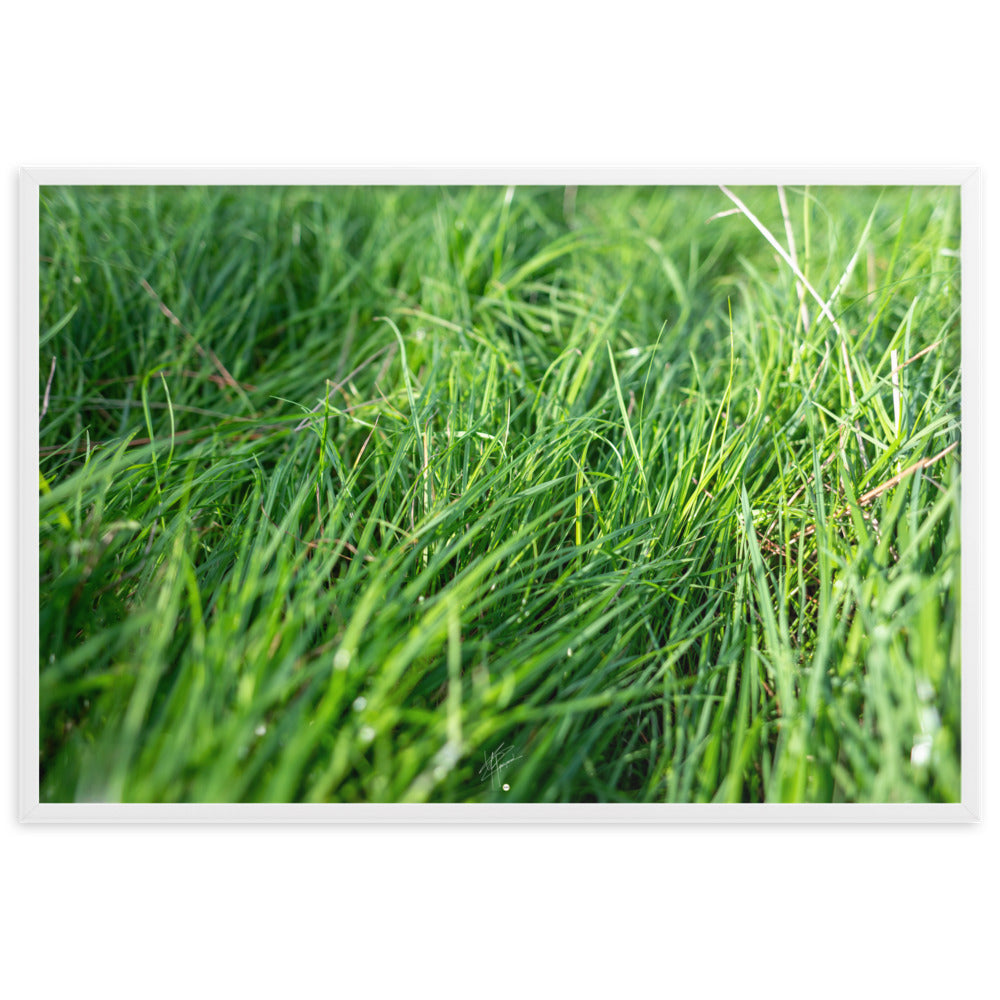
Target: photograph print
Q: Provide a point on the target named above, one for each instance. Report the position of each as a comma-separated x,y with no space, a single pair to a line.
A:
570,494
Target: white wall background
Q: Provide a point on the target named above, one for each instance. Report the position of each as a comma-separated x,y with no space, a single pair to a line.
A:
815,912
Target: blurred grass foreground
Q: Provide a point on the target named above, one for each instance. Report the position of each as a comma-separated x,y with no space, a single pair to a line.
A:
415,494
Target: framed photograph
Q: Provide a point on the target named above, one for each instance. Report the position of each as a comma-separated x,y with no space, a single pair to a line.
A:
534,495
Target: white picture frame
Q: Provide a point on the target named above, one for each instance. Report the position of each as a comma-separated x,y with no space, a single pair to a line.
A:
31,810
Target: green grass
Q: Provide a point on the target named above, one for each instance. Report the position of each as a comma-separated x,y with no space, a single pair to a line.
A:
347,491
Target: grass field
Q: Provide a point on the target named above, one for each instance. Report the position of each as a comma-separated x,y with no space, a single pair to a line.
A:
475,495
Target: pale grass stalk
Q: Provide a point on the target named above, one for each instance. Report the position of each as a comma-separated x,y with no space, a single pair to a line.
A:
48,386
897,479
803,311
569,205
722,215
871,280
896,407
920,354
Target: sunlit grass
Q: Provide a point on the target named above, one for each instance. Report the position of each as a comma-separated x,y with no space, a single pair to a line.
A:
375,494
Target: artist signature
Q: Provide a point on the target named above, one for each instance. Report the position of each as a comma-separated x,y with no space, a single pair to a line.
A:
494,764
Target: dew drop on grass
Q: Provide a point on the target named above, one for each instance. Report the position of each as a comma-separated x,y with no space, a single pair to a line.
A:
260,730
367,734
569,652
506,788
359,703
929,719
921,752
342,659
